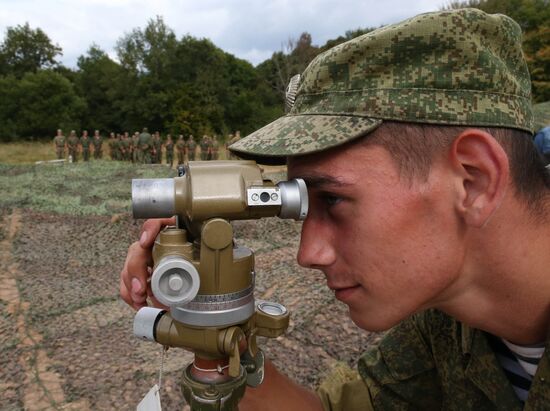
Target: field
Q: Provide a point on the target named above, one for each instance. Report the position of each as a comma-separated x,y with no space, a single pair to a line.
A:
66,338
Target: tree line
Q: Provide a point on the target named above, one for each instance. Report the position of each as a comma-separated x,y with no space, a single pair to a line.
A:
184,85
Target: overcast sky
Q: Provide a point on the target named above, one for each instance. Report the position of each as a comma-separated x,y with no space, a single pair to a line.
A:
249,29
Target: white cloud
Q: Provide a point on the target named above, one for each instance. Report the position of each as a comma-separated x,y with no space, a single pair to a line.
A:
250,29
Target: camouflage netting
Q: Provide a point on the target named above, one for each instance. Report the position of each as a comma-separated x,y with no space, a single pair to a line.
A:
66,338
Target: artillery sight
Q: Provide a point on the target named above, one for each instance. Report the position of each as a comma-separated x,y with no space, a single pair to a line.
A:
207,280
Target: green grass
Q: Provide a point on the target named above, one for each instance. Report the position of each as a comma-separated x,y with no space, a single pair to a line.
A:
94,188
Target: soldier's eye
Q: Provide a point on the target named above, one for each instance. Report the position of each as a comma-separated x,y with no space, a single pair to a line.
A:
331,200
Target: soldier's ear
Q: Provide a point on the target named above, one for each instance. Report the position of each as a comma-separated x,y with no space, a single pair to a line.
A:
481,175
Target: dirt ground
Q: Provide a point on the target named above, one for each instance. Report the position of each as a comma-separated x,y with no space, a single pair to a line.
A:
66,338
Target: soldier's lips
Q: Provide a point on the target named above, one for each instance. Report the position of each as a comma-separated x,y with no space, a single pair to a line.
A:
346,293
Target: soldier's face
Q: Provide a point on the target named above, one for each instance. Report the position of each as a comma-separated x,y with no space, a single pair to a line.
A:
388,247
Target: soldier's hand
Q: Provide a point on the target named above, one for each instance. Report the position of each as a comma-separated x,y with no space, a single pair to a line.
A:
134,285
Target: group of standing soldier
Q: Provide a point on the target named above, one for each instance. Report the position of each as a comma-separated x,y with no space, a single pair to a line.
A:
74,145
139,148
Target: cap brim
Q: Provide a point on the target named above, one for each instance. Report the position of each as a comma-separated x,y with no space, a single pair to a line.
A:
295,135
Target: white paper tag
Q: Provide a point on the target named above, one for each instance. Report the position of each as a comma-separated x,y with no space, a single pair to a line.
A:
151,401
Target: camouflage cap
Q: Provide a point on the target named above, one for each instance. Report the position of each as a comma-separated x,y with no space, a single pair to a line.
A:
458,67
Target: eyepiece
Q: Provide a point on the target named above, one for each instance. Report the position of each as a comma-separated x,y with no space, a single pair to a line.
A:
294,199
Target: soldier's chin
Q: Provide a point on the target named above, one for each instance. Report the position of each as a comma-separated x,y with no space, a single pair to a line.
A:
372,322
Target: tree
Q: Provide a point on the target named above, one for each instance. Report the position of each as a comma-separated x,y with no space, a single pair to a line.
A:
101,83
27,50
45,101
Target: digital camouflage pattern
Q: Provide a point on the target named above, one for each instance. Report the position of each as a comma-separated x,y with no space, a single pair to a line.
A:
432,362
461,67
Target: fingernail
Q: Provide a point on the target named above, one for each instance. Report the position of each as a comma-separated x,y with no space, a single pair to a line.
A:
143,238
136,285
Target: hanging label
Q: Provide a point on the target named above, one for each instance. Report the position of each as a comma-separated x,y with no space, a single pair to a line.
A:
151,401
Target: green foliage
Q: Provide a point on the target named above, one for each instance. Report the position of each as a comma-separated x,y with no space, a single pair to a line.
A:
26,50
94,188
99,82
37,104
542,115
186,85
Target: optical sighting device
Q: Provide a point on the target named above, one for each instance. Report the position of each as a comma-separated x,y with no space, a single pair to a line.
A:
206,280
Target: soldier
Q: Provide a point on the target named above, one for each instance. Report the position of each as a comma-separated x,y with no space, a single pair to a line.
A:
215,147
135,148
180,149
145,144
191,148
113,146
157,152
59,144
98,145
233,140
205,148
85,144
125,146
429,212
169,146
72,145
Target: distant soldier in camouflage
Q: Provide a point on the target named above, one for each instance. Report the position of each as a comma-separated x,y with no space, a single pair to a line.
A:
180,149
191,148
429,213
113,146
205,146
145,144
135,148
85,143
232,140
97,142
59,144
157,151
169,147
215,147
125,147
72,145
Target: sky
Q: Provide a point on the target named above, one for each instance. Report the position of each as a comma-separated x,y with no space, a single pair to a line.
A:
251,30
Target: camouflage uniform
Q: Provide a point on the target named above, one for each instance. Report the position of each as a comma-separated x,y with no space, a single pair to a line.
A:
180,149
85,144
157,148
59,142
72,145
169,146
432,362
98,145
113,146
459,67
135,148
205,148
215,147
145,144
191,148
233,140
125,147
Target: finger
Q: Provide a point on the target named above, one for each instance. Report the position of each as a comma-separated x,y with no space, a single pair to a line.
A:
151,228
127,297
135,272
